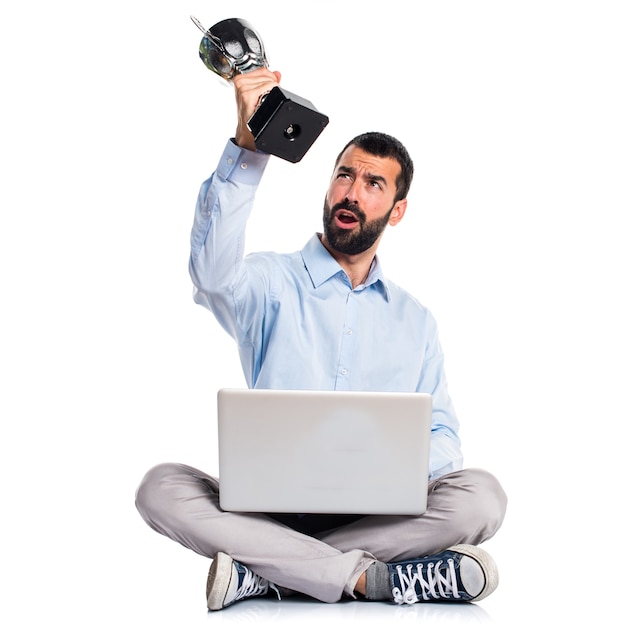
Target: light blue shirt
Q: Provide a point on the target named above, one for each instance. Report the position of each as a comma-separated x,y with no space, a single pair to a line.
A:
297,320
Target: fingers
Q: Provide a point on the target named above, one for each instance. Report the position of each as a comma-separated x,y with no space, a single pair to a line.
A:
249,89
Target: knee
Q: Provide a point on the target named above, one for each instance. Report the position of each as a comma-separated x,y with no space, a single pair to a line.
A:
479,501
152,494
488,498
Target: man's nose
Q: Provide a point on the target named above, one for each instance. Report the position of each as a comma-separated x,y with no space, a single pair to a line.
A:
352,194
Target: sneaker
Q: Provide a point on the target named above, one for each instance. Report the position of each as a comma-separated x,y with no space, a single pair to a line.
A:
462,573
230,581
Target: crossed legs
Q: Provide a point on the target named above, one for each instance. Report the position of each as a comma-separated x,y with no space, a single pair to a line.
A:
182,503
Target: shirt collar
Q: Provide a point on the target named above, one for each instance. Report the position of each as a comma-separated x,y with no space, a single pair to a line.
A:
321,266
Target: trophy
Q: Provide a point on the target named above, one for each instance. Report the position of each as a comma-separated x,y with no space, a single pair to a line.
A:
283,124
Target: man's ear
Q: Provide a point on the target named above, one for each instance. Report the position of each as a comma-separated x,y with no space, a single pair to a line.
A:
397,213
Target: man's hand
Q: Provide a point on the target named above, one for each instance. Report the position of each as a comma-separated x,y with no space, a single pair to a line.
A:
249,90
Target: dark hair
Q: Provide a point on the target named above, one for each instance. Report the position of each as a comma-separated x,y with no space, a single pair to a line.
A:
382,145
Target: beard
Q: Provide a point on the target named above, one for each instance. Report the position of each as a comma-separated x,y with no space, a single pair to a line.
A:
352,240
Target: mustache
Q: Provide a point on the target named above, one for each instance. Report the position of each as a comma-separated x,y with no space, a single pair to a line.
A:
346,205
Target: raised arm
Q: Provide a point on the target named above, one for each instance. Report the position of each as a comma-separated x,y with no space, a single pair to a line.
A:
224,204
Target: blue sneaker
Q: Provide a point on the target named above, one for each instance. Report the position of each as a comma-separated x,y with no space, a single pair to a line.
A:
460,574
230,581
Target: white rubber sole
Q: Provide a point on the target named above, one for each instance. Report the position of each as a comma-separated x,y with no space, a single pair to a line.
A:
218,581
486,562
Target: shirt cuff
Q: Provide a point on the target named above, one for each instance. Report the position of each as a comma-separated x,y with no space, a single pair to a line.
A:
240,165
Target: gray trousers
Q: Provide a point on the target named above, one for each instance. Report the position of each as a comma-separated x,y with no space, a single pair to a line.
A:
325,560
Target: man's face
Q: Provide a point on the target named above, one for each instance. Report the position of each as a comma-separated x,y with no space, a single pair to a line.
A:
360,201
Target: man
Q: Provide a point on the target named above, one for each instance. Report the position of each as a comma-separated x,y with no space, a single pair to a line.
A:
326,318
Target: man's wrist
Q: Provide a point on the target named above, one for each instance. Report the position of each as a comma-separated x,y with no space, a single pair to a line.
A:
244,139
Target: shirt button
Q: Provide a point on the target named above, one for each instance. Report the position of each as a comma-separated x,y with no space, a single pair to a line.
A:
229,161
349,331
344,371
244,166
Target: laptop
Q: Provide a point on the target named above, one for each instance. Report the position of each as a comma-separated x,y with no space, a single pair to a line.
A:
333,452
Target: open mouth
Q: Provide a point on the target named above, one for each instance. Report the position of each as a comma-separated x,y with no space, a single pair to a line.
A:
346,217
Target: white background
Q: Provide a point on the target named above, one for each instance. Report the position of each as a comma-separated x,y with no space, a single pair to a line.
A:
514,115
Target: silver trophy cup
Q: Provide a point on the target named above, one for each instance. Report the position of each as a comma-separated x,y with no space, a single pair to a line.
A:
283,124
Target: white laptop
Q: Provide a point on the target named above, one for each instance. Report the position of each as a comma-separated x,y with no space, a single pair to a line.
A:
335,452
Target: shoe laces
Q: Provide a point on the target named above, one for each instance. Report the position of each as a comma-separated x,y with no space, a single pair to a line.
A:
437,581
253,585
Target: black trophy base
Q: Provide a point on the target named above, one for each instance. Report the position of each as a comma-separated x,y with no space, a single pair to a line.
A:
286,125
